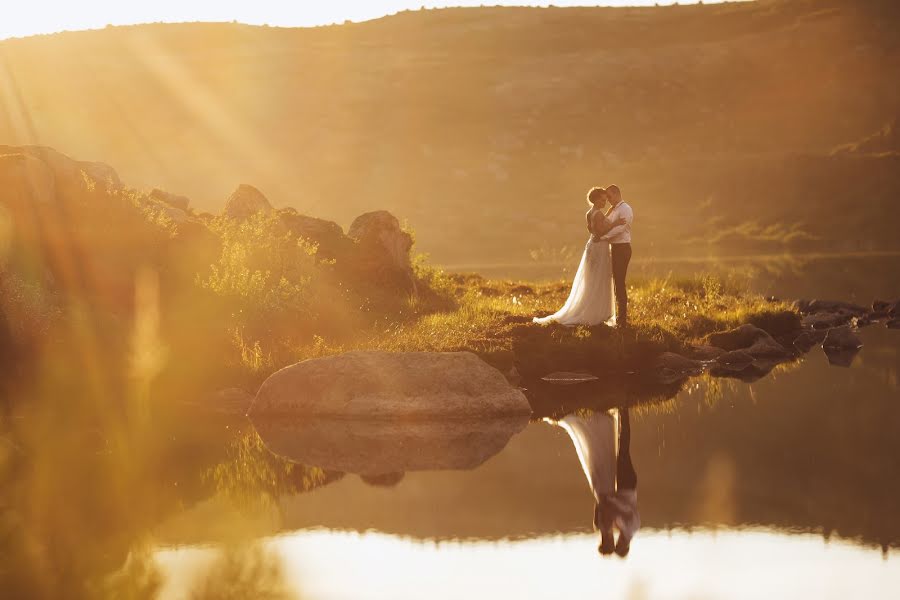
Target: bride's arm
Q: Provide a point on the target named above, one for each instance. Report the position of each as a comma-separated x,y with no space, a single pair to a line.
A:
602,225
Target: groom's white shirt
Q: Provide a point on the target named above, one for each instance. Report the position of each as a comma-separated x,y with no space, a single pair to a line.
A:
620,234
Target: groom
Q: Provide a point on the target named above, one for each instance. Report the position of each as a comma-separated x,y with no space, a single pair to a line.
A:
620,239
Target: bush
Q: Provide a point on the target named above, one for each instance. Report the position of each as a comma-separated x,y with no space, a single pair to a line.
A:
268,276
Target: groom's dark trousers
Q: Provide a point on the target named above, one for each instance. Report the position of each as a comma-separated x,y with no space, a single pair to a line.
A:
621,256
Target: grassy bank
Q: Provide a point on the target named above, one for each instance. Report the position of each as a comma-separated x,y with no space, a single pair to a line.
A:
493,318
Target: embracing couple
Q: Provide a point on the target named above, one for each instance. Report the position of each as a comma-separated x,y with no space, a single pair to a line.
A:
603,266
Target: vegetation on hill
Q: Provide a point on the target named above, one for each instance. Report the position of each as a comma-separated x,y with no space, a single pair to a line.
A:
484,126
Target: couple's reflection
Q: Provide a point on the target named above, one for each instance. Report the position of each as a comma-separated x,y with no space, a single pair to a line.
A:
602,440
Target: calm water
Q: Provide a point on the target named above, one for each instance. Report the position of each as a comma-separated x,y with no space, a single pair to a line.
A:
780,488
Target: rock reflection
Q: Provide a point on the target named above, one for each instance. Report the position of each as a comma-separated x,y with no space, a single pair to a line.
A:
251,474
380,451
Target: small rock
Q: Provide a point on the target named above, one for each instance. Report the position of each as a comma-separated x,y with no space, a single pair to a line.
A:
817,306
893,324
749,338
567,378
842,338
807,340
801,306
827,320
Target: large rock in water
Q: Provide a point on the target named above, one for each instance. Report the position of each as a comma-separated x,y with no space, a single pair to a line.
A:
389,385
377,447
245,202
383,251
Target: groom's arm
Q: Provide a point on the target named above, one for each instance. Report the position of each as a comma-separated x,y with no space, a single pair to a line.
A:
628,215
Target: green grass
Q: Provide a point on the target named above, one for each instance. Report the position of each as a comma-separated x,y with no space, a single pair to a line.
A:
493,319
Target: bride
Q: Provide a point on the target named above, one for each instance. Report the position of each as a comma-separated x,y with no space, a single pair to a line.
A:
591,300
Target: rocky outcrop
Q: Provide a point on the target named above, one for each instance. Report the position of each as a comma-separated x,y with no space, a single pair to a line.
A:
379,447
245,202
170,199
327,235
749,338
383,249
390,385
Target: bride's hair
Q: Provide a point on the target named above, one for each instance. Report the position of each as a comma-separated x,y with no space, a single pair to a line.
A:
596,194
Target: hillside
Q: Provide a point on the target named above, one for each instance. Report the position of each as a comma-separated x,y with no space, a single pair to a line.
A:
484,127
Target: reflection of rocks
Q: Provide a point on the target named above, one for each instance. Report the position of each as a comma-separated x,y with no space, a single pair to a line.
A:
841,357
705,352
385,384
554,400
735,360
808,340
842,338
380,447
748,372
670,367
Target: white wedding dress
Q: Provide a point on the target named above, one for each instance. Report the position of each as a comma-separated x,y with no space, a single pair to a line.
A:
591,300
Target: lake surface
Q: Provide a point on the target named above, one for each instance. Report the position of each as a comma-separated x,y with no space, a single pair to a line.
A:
784,487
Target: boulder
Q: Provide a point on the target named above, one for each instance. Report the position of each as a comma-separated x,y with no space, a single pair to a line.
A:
328,235
383,249
175,214
842,338
245,202
366,384
379,447
170,199
101,173
749,338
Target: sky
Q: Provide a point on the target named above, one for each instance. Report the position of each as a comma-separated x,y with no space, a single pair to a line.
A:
31,17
